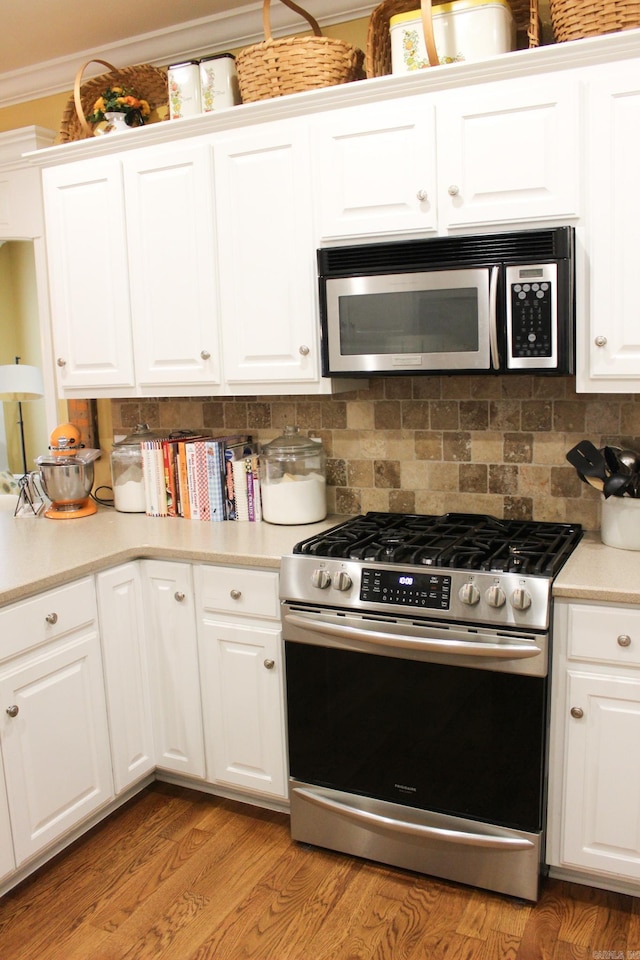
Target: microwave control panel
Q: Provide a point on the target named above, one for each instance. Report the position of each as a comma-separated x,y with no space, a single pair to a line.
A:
532,340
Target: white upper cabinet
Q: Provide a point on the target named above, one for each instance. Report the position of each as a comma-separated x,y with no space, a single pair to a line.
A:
375,169
267,257
494,153
509,152
89,274
172,265
609,353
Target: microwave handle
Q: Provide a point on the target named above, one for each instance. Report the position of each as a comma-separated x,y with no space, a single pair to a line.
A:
493,317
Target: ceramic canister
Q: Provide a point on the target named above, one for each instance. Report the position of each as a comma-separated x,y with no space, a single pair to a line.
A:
219,82
184,90
463,30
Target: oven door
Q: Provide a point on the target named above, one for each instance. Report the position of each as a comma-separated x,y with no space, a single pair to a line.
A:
399,323
435,766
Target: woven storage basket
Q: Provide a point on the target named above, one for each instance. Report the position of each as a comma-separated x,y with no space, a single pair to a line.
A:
148,83
274,68
378,53
572,20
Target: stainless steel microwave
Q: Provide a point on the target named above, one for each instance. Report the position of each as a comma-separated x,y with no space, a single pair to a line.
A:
492,303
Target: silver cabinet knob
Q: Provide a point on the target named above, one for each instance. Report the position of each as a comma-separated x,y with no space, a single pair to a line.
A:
61,362
179,596
269,664
235,594
624,640
577,713
469,594
422,195
600,341
13,711
520,599
304,350
205,355
51,618
453,190
495,596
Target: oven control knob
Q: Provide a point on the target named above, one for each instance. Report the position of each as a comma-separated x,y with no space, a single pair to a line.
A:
495,596
469,594
342,580
520,599
321,578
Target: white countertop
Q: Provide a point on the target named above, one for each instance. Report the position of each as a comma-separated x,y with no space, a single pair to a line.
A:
38,554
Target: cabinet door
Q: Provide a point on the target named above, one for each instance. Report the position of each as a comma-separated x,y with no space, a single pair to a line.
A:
126,673
612,342
601,813
172,261
267,256
55,743
375,169
7,861
509,152
242,695
88,274
173,658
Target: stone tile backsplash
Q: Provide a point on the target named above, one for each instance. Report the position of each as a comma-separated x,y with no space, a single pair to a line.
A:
469,444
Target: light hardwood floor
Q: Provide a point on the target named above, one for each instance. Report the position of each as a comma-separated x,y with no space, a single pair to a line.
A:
179,875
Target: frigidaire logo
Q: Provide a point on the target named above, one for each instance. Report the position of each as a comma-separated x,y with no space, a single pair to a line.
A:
404,788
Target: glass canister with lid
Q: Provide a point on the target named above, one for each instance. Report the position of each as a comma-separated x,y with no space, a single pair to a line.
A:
293,479
127,473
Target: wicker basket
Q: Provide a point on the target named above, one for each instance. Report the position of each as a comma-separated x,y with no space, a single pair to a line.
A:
572,21
275,68
378,54
149,83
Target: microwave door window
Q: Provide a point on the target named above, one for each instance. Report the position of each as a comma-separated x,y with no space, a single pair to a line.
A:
441,327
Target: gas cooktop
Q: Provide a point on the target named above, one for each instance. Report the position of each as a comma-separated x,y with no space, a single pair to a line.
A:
461,540
459,567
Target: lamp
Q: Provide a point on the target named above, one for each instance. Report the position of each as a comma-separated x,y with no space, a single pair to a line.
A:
20,382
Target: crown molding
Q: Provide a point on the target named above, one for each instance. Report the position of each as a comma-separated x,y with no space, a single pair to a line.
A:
186,41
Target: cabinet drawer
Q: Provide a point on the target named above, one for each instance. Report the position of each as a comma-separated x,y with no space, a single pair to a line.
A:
234,590
604,634
29,623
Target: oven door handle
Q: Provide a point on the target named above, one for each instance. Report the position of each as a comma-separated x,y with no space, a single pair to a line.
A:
474,648
366,818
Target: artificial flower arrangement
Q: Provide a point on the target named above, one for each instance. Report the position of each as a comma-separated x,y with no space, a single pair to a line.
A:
120,100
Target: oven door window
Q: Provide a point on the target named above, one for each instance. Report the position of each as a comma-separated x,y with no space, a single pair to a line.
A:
454,740
436,320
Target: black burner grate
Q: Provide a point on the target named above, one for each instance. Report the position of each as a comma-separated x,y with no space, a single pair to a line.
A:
465,541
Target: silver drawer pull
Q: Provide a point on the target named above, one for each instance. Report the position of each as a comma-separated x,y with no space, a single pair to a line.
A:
577,713
51,618
179,596
269,664
235,594
13,711
624,640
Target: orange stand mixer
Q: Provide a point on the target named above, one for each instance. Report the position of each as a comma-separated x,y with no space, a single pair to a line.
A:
66,474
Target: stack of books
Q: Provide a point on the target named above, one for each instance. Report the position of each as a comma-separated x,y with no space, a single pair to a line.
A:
202,478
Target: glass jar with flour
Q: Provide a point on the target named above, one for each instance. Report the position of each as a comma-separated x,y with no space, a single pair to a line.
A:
293,479
127,473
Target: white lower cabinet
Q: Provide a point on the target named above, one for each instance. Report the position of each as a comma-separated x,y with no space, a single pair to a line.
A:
7,859
126,673
594,808
53,720
242,679
173,661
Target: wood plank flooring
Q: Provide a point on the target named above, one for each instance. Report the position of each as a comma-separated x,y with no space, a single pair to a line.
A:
179,875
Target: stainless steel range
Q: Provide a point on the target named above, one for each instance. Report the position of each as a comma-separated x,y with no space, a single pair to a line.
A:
417,660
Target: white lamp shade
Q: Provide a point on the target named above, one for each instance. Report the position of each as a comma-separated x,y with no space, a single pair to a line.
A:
19,381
